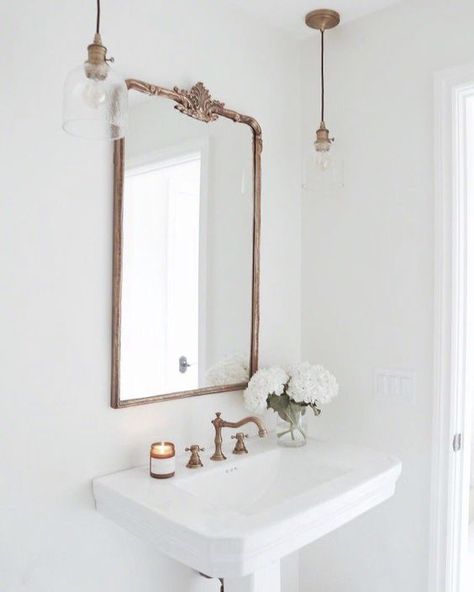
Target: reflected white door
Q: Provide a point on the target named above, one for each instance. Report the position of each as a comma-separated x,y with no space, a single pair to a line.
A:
182,318
161,277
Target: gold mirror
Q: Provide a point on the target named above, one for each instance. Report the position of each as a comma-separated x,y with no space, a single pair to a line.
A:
186,247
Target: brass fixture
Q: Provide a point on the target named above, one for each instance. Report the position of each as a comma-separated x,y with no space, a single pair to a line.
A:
240,447
194,461
220,423
322,20
96,64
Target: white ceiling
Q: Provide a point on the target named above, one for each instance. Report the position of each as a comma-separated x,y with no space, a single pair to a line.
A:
289,14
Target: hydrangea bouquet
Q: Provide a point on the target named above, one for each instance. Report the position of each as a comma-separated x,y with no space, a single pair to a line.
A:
290,393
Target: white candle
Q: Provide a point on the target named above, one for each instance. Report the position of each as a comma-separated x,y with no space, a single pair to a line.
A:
162,460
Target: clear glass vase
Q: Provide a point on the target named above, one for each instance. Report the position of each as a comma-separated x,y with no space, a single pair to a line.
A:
291,432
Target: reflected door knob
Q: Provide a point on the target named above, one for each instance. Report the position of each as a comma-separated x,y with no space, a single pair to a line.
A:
183,364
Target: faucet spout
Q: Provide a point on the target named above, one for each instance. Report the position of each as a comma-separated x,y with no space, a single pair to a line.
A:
220,423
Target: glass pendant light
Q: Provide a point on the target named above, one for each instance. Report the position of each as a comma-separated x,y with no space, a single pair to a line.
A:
95,97
323,171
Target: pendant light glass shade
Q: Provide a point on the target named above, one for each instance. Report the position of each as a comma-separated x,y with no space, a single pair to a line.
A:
95,103
323,172
95,99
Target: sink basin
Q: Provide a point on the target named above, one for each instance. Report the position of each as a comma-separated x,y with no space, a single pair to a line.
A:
234,518
260,484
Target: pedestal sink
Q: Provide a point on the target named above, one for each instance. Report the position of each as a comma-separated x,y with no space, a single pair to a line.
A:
237,519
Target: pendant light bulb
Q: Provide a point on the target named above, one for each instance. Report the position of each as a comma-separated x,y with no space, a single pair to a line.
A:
95,96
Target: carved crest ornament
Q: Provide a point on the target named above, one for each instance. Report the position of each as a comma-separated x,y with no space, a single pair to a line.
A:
198,104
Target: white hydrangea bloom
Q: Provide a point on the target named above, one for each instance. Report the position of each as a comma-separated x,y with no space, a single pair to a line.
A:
231,370
311,384
265,382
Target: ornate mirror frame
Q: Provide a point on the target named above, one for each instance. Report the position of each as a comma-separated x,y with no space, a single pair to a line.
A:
198,104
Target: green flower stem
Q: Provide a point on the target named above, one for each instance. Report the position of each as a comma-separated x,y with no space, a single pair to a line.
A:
293,422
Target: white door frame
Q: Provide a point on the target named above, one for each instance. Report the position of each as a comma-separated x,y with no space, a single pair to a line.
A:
453,364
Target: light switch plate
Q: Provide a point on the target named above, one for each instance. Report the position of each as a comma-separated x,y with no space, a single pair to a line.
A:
395,385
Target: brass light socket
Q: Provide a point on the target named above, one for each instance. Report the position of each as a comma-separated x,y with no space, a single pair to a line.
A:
323,141
96,66
96,52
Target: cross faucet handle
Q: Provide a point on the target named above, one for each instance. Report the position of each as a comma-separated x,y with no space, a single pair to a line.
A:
194,461
194,448
240,447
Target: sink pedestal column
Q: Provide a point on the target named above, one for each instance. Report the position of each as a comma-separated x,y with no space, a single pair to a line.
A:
264,580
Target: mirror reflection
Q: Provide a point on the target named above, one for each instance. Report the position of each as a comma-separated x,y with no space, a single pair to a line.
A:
186,304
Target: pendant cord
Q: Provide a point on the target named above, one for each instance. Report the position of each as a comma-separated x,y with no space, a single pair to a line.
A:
97,28
322,75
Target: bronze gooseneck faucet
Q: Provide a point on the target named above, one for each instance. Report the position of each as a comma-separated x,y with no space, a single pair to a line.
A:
220,423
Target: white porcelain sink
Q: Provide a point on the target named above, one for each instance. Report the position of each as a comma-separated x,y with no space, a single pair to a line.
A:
235,518
264,481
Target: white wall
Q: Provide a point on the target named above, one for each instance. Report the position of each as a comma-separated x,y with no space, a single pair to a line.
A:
367,288
57,430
